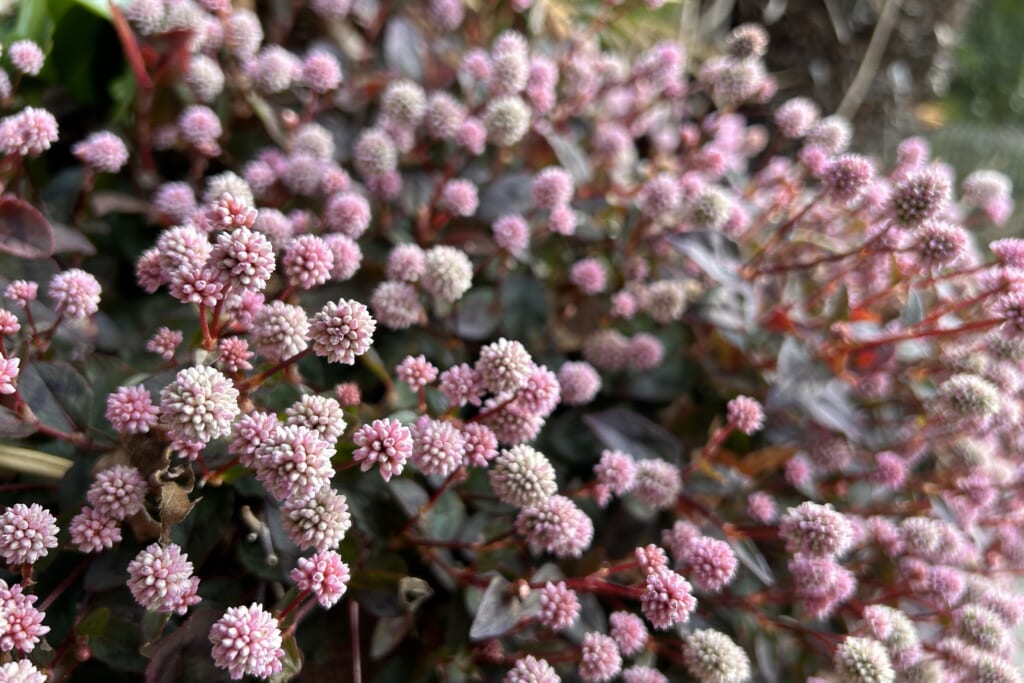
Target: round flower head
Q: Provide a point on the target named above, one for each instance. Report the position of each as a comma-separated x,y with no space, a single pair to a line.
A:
321,72
472,135
556,526
21,671
629,632
552,187
461,384
320,413
320,522
667,599
523,476
510,422
559,606
541,393
348,213
307,261
712,563
579,383
234,354
21,292
512,234
848,176
199,405
657,483
9,325
510,56
481,445
507,120
600,660
660,196
103,152
816,530
118,492
76,294
204,77
374,154
93,532
160,579
274,69
589,275
529,669
243,33
645,352
712,657
460,197
969,396
130,410
444,116
761,507
28,133
23,622
404,103
438,446
938,243
295,462
280,330
447,273
383,442
643,674
244,257
416,371
200,127
615,474
796,117
342,330
405,263
746,414
504,366
164,342
710,209
984,628
607,350
323,574
664,300
863,660
27,532
396,305
26,57
919,197
247,641
747,41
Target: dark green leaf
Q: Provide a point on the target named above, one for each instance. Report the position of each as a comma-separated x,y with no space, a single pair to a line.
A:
13,427
508,193
388,633
291,663
94,623
572,158
628,431
403,45
445,518
24,231
478,314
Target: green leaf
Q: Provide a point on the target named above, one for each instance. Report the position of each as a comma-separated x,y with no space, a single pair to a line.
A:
94,624
498,613
478,314
403,46
388,633
572,158
12,426
24,231
445,518
291,663
625,430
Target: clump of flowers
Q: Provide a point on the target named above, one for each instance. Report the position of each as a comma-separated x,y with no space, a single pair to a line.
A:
508,348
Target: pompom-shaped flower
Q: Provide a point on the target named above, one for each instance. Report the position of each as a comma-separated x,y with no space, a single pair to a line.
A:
712,657
504,366
559,606
938,243
667,598
919,197
324,574
657,483
374,154
745,414
459,196
21,671
199,405
863,660
600,660
404,103
92,531
383,442
557,526
461,384
481,445
295,462
405,263
22,624
164,342
130,410
26,57
160,579
589,275
629,632
307,261
118,492
660,196
76,293
416,371
102,151
507,120
579,382
615,474
969,396
244,258
438,446
847,177
541,393
320,522
816,530
511,233
247,640
28,133
529,669
552,187
397,305
447,273
712,563
27,532
348,213
342,330
984,628
523,476
321,72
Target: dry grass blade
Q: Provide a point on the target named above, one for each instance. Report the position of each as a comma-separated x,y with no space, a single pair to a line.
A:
36,463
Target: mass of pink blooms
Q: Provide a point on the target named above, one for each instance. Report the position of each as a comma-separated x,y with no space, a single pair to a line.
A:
454,345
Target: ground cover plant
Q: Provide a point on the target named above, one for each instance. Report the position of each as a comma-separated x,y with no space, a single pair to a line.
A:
429,341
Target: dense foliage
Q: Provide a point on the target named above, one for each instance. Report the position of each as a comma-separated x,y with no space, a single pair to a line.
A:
414,341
